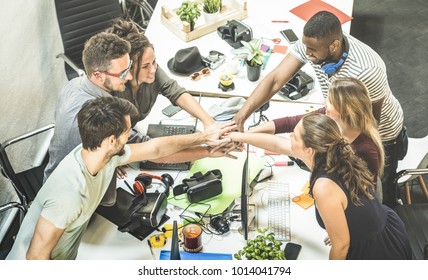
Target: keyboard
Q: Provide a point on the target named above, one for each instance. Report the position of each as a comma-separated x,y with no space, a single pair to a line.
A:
279,209
164,166
159,130
174,130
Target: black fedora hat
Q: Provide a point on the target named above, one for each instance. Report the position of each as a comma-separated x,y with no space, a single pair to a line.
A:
186,61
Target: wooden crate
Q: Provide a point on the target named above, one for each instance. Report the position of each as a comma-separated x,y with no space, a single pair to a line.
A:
233,9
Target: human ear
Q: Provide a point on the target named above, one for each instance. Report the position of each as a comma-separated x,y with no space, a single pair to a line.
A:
334,46
309,151
98,76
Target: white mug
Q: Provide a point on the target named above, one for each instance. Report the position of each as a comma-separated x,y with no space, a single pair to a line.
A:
232,66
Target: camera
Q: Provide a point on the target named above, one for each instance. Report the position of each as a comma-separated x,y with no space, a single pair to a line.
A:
214,59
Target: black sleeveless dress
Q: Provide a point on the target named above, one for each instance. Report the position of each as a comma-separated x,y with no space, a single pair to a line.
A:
376,231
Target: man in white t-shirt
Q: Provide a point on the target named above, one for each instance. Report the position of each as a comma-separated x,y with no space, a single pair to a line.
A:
59,215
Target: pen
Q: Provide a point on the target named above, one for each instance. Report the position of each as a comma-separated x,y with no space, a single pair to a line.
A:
129,187
280,21
151,250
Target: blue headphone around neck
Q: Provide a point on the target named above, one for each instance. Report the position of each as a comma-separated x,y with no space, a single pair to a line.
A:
330,68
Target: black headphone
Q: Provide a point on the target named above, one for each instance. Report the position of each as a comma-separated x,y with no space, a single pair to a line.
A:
332,67
143,180
220,224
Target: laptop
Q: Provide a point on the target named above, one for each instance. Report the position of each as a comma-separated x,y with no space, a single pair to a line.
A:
159,130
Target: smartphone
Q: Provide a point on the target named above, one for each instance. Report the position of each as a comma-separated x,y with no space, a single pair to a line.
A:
171,110
292,250
289,35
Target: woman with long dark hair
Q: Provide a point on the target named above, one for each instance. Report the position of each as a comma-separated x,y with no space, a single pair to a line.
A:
357,224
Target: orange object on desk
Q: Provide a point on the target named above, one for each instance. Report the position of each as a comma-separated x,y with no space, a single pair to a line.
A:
280,49
304,200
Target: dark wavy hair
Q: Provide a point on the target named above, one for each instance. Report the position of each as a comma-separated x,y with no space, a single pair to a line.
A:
102,117
129,31
335,156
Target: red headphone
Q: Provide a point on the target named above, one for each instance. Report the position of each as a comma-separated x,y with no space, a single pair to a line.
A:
143,180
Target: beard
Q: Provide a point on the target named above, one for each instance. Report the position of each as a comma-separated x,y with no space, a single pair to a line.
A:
120,151
109,86
328,59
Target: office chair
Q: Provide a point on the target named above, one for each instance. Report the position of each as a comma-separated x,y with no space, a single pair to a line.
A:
416,158
27,182
415,218
78,20
139,11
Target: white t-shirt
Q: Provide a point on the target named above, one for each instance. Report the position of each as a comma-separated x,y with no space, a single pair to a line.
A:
67,199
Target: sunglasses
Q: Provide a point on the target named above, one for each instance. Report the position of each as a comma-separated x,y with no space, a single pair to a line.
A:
122,75
197,75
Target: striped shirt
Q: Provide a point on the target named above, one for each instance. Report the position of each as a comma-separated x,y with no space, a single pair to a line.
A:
366,65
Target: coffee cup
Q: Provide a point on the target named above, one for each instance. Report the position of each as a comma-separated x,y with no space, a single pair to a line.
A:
192,235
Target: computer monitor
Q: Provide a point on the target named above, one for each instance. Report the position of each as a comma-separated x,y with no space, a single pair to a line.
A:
244,197
175,251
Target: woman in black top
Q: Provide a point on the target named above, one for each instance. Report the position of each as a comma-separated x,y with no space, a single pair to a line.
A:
357,224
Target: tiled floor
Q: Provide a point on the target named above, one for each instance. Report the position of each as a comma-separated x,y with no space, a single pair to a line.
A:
398,31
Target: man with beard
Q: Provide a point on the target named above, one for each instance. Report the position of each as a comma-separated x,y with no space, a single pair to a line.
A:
107,65
334,54
54,225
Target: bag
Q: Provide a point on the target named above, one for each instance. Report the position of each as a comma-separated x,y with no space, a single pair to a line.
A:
402,144
201,187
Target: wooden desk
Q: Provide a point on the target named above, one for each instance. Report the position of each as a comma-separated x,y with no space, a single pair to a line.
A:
260,16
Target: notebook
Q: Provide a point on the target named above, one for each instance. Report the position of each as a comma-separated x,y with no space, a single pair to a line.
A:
159,130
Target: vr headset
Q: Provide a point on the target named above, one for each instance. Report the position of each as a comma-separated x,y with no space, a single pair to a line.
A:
298,86
147,208
234,31
200,187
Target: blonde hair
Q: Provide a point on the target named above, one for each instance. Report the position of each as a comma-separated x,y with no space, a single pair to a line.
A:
349,96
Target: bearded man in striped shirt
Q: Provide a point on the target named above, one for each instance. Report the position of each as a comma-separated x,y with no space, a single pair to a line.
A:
334,54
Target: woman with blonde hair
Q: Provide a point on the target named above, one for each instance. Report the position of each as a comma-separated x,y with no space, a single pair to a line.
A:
349,105
359,227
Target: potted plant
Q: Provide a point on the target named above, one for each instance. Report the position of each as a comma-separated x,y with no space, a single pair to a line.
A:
189,11
211,9
254,58
263,247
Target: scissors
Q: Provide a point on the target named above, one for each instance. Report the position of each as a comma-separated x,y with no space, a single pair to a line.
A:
275,40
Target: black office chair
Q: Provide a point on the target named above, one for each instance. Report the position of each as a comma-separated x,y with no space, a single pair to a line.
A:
26,179
415,218
139,11
78,21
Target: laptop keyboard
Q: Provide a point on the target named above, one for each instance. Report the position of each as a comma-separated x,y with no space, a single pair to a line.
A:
159,130
174,130
165,166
